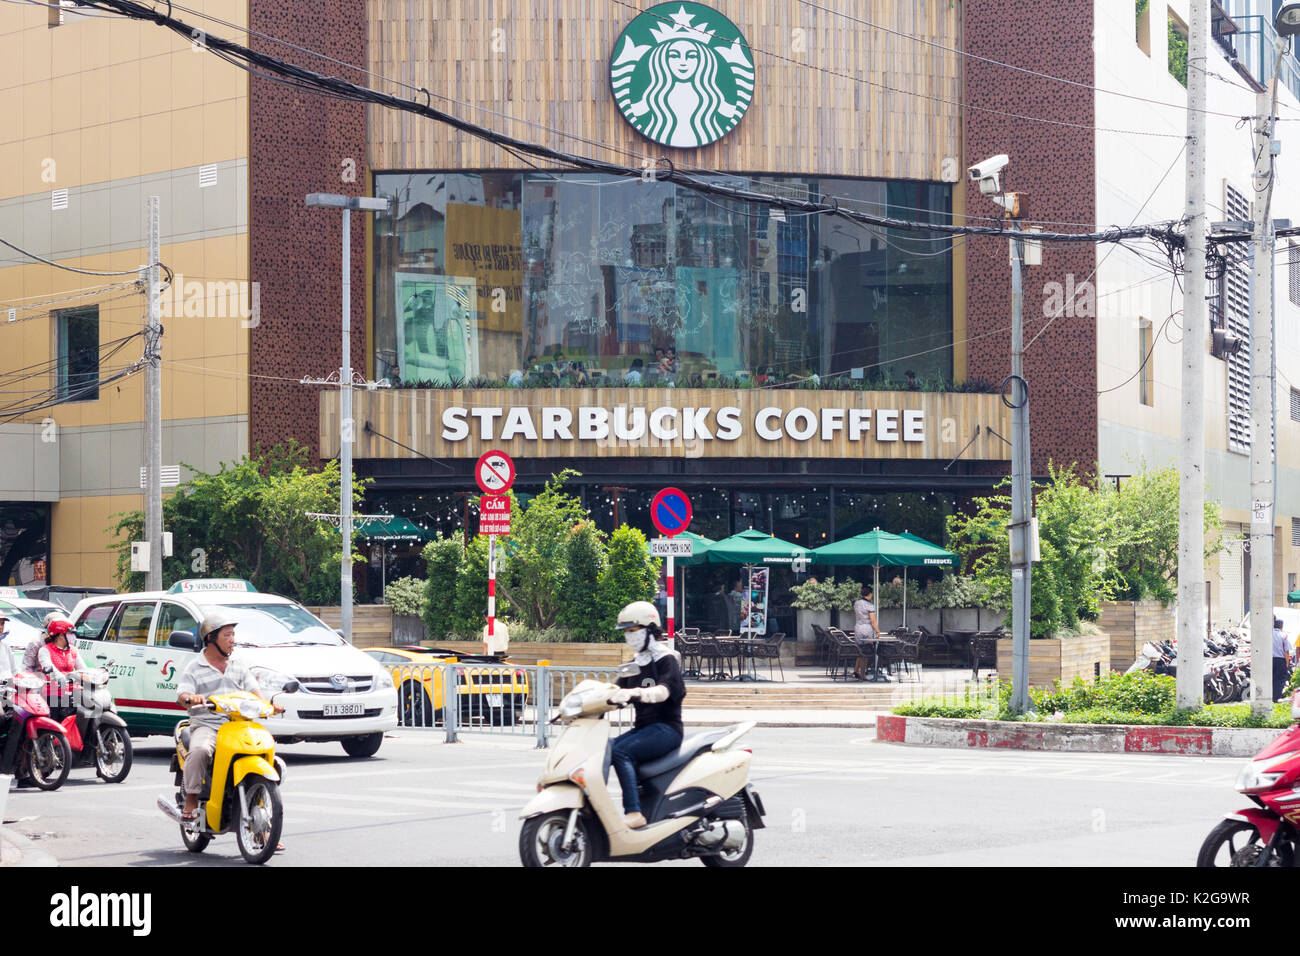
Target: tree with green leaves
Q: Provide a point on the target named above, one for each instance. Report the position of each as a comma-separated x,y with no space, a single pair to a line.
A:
584,563
631,575
469,609
532,573
442,560
249,520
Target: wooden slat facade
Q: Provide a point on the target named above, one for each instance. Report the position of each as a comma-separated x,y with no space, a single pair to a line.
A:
414,417
834,95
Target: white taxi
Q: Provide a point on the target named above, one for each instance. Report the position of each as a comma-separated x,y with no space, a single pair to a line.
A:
147,639
26,618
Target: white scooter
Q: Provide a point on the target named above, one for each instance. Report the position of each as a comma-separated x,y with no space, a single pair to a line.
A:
697,800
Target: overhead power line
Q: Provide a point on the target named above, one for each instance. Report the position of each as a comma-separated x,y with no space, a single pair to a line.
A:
276,70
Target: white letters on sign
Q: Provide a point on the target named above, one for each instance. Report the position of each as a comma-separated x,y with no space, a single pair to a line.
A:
665,423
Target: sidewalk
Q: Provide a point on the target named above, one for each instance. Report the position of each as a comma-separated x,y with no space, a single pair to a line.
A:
780,718
17,850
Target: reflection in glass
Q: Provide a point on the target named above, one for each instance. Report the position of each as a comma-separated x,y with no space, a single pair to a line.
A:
580,279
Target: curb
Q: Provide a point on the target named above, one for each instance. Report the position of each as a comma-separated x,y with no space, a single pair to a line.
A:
780,718
29,854
1074,738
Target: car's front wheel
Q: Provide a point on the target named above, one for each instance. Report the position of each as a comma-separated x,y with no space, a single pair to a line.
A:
365,745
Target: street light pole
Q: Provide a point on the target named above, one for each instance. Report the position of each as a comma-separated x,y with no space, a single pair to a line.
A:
347,429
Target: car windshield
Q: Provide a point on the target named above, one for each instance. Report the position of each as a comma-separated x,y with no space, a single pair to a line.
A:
276,625
25,615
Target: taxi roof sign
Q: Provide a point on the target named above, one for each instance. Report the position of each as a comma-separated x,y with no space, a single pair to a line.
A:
191,585
11,593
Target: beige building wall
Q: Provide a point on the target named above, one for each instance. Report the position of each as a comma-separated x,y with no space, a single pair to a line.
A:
114,111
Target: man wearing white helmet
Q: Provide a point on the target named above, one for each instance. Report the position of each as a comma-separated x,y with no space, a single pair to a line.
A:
656,693
212,672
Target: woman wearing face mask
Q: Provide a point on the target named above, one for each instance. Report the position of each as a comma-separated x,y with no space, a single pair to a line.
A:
656,693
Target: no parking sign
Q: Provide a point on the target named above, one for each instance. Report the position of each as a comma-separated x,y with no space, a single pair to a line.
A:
670,511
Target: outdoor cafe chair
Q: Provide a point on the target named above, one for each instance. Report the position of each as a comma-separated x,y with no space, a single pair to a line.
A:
690,651
909,651
983,650
846,653
825,647
770,650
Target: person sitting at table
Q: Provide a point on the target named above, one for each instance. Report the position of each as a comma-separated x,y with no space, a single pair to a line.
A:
865,627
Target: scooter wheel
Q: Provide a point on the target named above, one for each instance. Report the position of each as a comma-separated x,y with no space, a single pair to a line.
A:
195,841
541,841
258,831
737,857
113,754
49,758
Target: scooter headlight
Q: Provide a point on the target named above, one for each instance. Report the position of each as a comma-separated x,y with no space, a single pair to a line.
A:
1259,774
252,709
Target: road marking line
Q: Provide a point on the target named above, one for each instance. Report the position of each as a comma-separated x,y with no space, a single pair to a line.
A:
407,802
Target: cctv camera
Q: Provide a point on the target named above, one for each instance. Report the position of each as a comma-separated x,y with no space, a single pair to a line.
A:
986,173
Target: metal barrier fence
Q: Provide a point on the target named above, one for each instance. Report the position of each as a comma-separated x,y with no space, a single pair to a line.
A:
515,700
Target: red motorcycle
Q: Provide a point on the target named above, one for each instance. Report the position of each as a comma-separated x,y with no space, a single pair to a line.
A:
38,743
1267,834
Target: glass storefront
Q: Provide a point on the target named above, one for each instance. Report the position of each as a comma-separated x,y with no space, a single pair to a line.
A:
578,279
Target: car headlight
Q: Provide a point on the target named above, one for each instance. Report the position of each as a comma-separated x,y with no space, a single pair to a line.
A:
1259,774
384,681
271,681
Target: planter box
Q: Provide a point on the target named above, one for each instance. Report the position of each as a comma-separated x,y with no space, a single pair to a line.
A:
804,620
892,617
408,629
1131,624
372,624
1056,658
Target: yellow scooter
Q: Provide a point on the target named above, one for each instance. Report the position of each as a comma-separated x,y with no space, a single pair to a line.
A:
241,791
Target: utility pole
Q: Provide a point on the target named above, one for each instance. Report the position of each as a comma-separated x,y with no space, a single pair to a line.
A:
1021,498
347,429
1262,491
153,404
1191,478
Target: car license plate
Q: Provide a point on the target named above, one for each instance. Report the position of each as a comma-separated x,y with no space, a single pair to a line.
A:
494,700
344,710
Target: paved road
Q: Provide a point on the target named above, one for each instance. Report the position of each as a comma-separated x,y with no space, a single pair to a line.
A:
834,797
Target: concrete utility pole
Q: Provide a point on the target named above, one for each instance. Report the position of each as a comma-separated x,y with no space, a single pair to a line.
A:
1262,492
153,405
1191,479
347,429
1021,495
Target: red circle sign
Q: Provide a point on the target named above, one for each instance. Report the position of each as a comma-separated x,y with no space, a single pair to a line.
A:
671,512
495,472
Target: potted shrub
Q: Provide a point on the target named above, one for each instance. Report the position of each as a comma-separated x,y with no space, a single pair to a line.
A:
406,597
814,601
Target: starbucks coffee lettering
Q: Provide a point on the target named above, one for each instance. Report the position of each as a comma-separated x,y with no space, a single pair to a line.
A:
669,423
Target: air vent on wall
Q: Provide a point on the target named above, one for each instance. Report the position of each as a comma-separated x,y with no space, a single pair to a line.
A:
59,199
207,176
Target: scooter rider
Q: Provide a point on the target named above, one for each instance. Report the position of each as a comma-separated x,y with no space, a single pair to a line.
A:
656,693
7,667
32,653
57,658
212,672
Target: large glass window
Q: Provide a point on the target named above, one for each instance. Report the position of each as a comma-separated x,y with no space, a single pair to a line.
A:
580,279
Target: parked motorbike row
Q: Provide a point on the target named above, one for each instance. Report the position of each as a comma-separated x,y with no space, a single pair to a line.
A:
1227,674
41,751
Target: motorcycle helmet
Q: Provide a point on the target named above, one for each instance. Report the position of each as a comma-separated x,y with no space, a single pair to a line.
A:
57,627
638,614
214,622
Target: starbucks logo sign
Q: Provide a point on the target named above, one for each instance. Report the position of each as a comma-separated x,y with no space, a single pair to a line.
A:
682,74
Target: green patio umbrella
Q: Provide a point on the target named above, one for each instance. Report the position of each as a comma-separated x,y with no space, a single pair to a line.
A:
751,548
1293,597
881,548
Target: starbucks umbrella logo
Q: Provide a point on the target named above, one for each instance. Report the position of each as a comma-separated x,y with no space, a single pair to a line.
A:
682,74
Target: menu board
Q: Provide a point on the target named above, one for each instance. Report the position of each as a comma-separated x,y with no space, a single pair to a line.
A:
753,606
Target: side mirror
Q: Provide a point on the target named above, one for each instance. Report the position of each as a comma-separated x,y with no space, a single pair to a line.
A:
185,640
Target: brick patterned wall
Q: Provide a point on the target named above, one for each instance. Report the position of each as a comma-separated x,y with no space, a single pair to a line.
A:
1054,166
298,142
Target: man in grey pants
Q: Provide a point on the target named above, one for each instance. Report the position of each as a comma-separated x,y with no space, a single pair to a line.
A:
213,672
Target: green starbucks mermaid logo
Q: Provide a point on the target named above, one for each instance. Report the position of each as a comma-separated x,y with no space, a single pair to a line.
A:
682,74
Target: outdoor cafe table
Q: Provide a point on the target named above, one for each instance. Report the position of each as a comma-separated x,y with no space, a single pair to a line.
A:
875,642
